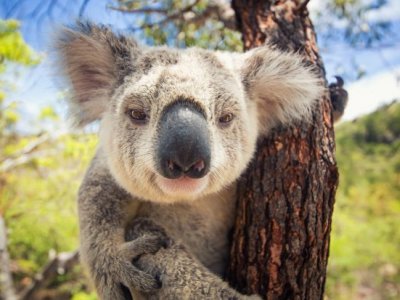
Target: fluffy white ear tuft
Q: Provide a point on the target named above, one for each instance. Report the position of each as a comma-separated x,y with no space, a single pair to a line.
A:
94,60
283,88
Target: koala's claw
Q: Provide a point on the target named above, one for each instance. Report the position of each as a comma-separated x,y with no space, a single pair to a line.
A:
145,244
138,280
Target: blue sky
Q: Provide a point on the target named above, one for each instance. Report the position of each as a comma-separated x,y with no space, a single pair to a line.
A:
40,19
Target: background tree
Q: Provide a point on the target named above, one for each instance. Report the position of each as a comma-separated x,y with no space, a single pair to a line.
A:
12,49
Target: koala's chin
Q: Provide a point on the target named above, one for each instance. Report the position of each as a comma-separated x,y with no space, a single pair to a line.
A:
183,187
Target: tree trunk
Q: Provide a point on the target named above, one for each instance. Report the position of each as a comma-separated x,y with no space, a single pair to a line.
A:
285,200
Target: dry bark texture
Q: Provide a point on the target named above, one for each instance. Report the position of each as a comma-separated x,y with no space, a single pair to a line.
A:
285,200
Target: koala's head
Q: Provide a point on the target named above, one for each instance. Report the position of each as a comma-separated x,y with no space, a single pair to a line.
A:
180,124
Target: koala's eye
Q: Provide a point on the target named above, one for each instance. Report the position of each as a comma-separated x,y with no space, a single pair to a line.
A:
225,119
138,116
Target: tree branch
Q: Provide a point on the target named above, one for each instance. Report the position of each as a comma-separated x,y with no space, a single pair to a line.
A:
10,163
28,153
139,10
217,9
60,264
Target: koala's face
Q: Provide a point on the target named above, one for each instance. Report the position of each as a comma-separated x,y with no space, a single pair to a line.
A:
180,127
180,124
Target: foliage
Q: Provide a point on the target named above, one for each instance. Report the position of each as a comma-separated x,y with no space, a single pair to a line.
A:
365,241
349,29
12,45
182,23
35,200
359,29
12,49
38,197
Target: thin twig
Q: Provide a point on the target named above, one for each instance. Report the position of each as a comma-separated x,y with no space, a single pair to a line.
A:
10,163
83,8
28,153
139,10
33,145
169,17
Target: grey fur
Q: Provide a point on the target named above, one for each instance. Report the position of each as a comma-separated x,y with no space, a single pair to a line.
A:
178,237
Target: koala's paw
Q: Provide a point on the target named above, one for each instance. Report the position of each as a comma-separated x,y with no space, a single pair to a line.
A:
119,276
184,277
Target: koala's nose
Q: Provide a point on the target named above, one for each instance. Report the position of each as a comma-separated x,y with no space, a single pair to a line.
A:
174,169
184,142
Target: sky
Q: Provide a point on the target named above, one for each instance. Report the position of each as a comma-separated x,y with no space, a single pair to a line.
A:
38,87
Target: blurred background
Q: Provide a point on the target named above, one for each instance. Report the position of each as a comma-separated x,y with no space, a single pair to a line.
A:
42,160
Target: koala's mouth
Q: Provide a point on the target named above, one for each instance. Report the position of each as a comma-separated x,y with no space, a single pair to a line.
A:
184,185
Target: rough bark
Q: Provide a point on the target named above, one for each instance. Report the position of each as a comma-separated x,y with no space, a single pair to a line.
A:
285,200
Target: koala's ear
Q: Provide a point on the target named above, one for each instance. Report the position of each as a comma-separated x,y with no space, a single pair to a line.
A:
283,88
95,60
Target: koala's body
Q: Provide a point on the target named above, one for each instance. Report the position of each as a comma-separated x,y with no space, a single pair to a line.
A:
178,127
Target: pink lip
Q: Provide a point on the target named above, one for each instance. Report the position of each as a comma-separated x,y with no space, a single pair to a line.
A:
182,185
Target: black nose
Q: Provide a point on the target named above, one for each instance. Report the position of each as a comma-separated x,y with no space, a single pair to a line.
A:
184,143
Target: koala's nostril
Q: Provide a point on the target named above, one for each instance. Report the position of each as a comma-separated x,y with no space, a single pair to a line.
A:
197,170
172,170
199,166
171,165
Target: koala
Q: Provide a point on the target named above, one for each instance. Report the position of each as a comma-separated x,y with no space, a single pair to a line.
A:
177,129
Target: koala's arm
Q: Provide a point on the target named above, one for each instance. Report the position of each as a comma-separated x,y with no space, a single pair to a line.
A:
182,275
104,210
